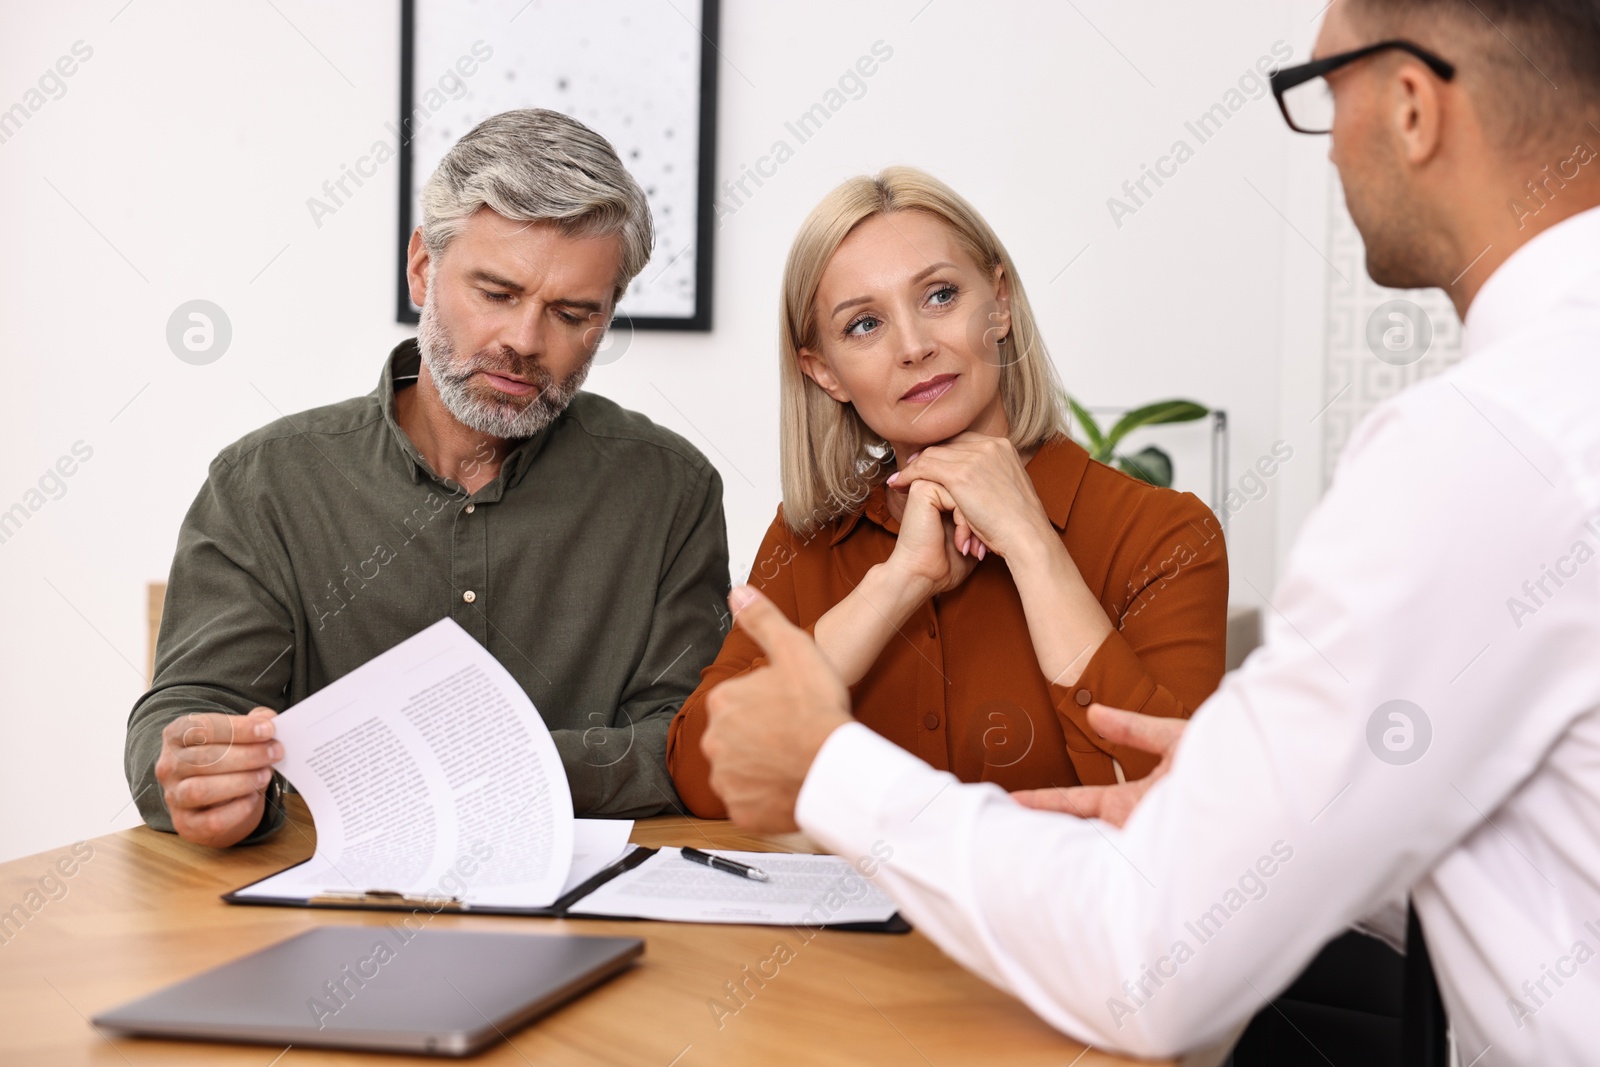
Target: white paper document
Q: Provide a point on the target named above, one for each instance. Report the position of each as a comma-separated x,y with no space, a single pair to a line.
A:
800,890
429,772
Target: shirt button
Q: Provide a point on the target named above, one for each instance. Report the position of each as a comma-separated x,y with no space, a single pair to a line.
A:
471,508
931,721
469,596
1083,698
933,630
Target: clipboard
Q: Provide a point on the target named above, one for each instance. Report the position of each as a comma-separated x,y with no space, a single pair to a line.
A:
564,906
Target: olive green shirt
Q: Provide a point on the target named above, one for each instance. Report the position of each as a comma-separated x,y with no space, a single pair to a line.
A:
594,567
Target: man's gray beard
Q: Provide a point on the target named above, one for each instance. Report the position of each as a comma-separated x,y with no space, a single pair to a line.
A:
493,413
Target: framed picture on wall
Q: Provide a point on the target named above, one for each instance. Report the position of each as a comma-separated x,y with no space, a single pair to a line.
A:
641,75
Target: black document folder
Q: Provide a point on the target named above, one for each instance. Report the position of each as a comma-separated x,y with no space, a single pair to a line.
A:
568,906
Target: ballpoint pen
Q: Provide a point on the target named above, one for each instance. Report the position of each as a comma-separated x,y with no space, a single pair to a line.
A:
717,863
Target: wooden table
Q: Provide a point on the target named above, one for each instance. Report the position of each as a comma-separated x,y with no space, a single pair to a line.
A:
142,910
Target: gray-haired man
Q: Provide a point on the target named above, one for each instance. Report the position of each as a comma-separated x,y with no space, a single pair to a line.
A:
580,543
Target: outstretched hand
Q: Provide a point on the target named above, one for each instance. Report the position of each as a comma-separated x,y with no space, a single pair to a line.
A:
1113,803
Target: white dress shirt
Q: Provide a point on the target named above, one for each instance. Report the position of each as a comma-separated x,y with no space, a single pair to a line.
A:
1453,565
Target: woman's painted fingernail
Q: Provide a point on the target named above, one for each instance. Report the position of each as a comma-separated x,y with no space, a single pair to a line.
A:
894,479
983,550
913,457
965,544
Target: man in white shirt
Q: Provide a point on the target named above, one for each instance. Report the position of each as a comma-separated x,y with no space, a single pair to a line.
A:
1424,718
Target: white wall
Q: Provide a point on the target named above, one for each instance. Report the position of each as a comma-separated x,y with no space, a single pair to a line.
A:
178,162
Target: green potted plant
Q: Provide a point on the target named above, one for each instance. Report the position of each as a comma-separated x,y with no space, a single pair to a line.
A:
1149,464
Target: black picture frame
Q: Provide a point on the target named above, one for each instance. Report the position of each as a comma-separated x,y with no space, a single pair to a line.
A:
706,157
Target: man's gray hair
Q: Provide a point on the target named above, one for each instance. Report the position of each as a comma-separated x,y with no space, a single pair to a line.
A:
535,165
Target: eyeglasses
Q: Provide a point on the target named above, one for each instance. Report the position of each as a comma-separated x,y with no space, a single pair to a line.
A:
1307,102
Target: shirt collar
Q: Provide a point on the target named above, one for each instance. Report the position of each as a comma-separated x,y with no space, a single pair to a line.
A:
1056,471
1533,280
399,371
402,366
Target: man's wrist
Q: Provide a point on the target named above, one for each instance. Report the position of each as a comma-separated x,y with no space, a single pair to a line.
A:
814,746
817,788
852,787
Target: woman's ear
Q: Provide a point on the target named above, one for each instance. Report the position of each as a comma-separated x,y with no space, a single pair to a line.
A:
816,368
1002,299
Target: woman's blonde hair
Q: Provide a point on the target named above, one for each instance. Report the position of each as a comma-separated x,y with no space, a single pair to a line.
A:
830,457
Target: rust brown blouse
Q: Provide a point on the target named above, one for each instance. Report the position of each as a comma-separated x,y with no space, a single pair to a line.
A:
960,686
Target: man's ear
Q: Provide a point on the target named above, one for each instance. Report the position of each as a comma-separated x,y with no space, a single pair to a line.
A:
1418,112
816,368
417,260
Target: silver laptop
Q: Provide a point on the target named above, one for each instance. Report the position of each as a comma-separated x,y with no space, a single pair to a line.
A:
384,987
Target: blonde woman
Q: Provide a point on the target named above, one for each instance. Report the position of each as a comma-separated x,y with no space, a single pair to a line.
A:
973,576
